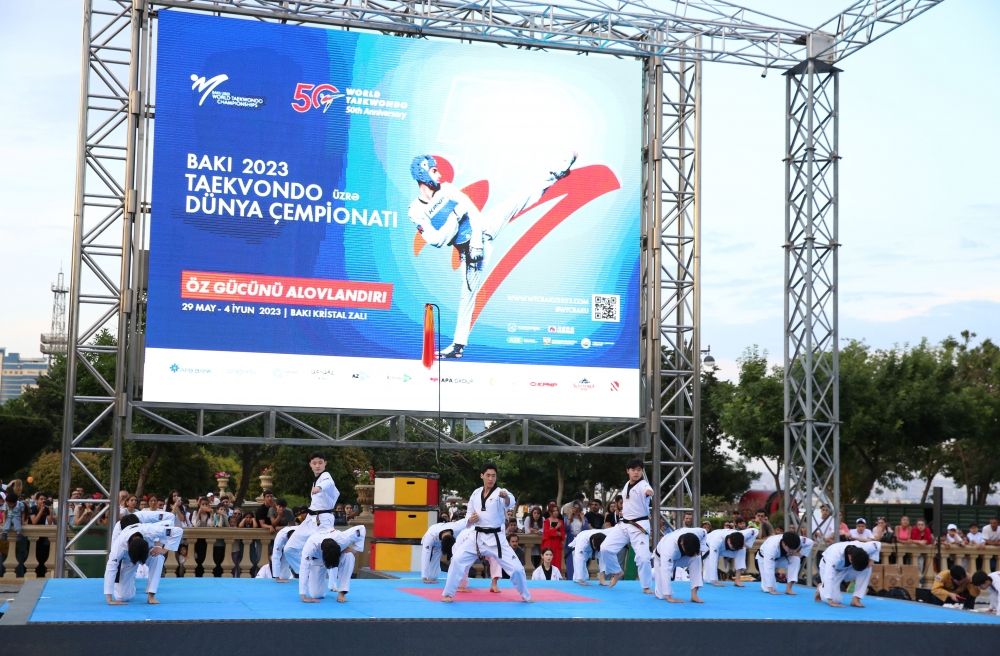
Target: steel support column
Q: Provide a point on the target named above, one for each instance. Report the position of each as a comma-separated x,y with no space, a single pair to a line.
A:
811,394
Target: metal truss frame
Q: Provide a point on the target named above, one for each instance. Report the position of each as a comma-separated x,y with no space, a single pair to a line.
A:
110,214
811,381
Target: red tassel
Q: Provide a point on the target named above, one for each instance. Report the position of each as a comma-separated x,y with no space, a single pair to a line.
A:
428,355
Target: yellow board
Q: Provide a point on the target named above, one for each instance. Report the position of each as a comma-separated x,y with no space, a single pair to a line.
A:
411,491
414,523
396,557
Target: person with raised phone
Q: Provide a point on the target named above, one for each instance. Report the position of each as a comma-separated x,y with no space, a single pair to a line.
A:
487,515
632,529
324,494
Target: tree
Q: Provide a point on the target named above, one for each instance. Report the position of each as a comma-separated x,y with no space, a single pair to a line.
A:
21,439
753,416
720,476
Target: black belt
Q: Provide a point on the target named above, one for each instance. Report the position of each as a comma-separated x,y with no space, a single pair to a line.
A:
635,523
320,512
496,533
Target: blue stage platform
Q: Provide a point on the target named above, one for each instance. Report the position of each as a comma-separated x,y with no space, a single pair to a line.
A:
404,616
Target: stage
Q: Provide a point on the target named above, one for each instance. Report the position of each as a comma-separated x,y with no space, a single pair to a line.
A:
405,616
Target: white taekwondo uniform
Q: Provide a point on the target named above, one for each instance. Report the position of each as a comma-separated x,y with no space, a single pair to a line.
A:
582,552
314,577
320,516
145,517
716,542
119,574
994,589
487,539
834,569
632,529
668,557
539,574
430,546
770,557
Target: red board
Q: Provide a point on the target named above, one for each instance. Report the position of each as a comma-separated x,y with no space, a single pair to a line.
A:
483,594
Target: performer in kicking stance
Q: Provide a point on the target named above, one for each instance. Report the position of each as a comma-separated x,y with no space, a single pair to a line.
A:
681,548
487,509
328,561
727,543
846,561
632,529
781,550
138,544
586,545
444,215
321,506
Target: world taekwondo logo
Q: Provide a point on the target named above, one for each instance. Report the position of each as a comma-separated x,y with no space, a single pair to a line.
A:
199,83
207,87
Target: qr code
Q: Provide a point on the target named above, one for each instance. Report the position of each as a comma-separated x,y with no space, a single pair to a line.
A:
605,307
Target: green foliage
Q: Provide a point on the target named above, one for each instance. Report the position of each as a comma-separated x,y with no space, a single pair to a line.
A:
21,438
46,471
720,476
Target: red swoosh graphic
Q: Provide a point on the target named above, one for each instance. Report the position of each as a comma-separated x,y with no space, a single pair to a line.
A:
577,189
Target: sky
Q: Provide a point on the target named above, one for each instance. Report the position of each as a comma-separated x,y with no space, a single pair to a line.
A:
919,189
920,200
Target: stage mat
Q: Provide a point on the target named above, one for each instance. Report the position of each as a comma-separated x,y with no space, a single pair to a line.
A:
208,600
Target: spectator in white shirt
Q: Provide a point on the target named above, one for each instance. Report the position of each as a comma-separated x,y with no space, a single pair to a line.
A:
991,533
974,538
861,532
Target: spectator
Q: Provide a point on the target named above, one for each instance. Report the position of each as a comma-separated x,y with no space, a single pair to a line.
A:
707,525
546,571
511,526
991,533
153,503
533,525
952,538
594,516
131,505
764,527
578,499
882,531
554,532
824,532
515,544
575,522
741,524
81,515
248,520
15,513
220,516
904,532
687,521
282,515
611,516
861,532
41,511
921,534
179,510
203,515
340,515
123,495
264,513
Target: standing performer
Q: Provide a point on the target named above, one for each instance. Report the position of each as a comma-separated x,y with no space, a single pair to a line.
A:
138,544
782,550
487,509
681,548
328,560
586,545
444,215
846,561
324,499
632,529
727,543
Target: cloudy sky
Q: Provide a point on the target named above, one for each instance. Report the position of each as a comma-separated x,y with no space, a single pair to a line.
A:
920,199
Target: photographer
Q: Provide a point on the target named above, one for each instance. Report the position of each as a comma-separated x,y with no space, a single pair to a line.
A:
41,510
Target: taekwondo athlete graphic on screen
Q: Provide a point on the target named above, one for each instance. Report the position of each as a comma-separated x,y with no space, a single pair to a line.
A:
445,216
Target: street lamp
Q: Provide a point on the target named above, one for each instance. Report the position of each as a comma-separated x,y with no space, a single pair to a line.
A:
708,361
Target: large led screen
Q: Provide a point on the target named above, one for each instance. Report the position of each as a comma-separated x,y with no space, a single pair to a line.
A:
313,189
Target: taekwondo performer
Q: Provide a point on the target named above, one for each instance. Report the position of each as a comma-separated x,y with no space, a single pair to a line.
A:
990,583
487,510
632,529
278,568
324,499
142,517
440,539
138,544
846,561
681,548
781,550
586,545
546,571
445,216
328,560
727,543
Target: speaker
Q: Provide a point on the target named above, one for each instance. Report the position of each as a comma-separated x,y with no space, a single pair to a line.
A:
938,519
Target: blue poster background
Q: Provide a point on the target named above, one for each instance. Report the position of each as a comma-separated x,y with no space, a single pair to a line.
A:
495,114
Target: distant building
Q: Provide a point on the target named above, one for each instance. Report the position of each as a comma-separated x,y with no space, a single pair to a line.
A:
18,374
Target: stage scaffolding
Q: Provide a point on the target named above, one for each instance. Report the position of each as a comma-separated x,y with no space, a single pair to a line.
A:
674,39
